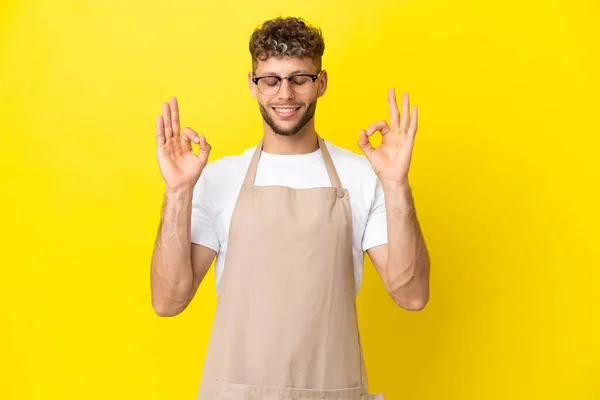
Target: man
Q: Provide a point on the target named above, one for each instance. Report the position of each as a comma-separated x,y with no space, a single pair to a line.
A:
289,221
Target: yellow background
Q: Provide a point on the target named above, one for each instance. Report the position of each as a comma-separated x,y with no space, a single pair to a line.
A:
504,175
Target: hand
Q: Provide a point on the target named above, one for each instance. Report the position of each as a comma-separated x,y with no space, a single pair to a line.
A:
391,160
178,164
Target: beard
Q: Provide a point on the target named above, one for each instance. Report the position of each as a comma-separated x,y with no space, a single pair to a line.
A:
302,121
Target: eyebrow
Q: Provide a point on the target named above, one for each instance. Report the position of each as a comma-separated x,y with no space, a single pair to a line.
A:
298,71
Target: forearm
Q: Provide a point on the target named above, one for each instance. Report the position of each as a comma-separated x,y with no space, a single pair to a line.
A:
171,271
407,269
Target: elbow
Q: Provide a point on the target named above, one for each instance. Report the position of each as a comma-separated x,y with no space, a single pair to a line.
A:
413,294
169,301
163,312
409,300
163,309
413,305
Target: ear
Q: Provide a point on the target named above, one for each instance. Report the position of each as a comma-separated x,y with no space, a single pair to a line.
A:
322,80
251,84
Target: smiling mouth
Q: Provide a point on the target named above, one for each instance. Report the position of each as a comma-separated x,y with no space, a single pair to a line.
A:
286,111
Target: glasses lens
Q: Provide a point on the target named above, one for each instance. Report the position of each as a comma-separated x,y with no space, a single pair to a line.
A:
302,83
268,85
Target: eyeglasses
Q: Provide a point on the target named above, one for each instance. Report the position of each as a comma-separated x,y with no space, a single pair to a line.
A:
300,83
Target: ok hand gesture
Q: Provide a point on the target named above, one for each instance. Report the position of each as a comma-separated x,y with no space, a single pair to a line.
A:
391,160
178,164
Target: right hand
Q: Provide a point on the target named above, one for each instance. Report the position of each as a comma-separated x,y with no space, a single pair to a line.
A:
179,166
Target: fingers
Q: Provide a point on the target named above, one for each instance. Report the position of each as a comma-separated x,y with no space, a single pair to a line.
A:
364,144
404,120
412,127
190,135
160,131
175,117
166,114
393,106
204,151
381,126
397,120
187,137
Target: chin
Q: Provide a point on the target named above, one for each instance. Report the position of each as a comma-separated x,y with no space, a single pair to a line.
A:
285,132
287,126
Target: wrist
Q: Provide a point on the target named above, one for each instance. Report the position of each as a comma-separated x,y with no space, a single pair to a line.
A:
180,190
396,186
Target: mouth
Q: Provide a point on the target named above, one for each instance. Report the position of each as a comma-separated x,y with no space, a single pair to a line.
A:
286,112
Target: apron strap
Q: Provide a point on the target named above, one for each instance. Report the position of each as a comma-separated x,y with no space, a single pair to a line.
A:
251,173
331,171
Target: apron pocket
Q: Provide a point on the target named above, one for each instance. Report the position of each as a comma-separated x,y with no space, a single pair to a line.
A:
238,391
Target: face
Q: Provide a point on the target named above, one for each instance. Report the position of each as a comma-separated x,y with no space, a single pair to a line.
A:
287,112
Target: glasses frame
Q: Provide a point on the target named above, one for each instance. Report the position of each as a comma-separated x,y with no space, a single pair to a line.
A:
281,78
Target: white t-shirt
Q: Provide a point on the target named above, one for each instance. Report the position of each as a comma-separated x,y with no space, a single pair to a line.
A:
217,190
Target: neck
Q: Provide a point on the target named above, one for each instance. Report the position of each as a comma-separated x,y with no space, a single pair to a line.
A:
302,142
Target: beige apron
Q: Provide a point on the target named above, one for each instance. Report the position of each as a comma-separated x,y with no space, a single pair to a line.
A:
285,326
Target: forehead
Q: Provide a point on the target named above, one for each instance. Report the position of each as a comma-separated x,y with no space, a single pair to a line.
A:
285,66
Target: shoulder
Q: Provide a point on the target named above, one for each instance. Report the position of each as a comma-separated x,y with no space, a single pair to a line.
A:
351,163
357,175
222,178
222,170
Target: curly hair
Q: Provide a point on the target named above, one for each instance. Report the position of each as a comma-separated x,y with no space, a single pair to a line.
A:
286,37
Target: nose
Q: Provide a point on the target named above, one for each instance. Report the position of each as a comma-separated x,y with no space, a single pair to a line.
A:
285,91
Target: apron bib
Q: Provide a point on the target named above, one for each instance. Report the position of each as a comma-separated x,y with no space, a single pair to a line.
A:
285,327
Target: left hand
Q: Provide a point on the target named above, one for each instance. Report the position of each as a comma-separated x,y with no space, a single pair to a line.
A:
391,160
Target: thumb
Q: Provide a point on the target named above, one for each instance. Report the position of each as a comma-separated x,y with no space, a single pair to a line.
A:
365,144
204,151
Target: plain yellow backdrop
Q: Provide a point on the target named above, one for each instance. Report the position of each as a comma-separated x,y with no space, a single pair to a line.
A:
505,175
